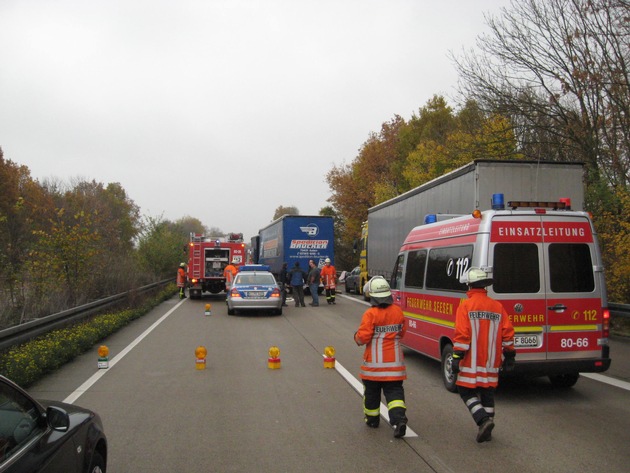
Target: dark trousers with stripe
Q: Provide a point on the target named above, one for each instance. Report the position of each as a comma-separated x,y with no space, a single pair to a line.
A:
394,395
479,401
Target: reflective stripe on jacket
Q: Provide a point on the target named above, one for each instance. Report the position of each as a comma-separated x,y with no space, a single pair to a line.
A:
381,330
482,330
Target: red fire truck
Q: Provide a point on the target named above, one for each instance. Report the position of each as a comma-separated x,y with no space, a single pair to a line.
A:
207,259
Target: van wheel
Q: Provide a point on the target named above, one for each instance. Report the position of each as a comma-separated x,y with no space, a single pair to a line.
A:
564,380
447,373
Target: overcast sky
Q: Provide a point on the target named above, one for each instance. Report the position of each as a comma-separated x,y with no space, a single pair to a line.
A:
218,109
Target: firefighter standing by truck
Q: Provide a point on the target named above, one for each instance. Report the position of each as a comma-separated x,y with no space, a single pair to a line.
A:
181,280
329,278
483,331
229,273
382,327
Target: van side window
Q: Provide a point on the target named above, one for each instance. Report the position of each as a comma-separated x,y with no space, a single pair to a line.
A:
446,265
516,268
571,268
414,273
396,281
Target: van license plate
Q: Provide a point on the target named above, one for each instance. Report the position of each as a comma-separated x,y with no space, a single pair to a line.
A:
526,341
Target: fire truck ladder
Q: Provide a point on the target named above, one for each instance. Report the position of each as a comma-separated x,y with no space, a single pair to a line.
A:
196,260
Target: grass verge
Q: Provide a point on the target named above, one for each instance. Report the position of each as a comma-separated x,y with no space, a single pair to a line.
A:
26,363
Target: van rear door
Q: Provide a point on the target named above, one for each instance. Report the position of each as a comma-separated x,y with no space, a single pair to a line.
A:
574,293
543,267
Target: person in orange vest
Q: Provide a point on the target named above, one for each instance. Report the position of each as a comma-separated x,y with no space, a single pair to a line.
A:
329,278
229,272
483,333
181,280
383,369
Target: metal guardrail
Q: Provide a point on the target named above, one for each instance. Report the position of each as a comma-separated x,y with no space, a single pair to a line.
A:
33,328
619,310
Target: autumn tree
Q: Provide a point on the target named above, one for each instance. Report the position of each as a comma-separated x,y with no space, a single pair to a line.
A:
64,262
24,208
161,247
559,70
281,210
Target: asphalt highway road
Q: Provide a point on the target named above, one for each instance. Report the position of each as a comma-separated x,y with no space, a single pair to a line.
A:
161,414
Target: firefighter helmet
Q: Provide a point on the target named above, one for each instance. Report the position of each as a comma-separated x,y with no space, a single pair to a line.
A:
327,260
379,288
476,277
234,260
182,265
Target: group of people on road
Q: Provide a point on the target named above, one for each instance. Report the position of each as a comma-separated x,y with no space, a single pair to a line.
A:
483,345
297,277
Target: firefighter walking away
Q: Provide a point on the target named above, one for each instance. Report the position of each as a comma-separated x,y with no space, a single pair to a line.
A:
181,280
383,368
483,333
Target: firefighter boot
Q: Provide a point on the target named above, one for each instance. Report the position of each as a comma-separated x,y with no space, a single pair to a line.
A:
400,429
372,421
485,430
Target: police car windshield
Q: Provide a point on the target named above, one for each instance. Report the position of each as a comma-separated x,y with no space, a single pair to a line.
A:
255,279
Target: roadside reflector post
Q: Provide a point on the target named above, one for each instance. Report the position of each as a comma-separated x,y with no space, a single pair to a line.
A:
273,362
200,357
329,357
103,360
208,311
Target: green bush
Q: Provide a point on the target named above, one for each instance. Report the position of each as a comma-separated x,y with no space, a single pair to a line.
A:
28,362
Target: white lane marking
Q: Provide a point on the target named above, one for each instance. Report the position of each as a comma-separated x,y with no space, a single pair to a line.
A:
608,380
358,387
100,373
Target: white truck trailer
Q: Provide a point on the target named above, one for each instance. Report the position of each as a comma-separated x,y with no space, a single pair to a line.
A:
460,192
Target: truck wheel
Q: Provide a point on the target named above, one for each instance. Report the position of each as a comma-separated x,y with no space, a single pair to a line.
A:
447,373
564,380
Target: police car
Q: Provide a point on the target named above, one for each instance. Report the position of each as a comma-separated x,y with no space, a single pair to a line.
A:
254,289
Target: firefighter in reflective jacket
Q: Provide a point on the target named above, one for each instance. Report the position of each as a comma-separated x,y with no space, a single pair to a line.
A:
329,277
181,280
382,327
483,332
229,272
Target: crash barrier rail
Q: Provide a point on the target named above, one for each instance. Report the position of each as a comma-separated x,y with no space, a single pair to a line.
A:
23,332
619,310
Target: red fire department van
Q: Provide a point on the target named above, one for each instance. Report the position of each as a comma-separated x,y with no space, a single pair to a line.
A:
207,259
547,271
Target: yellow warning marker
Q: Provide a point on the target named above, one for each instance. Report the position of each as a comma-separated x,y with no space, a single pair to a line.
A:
103,360
200,357
208,311
329,357
273,362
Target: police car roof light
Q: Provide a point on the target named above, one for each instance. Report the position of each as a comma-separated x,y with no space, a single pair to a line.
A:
254,267
430,218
